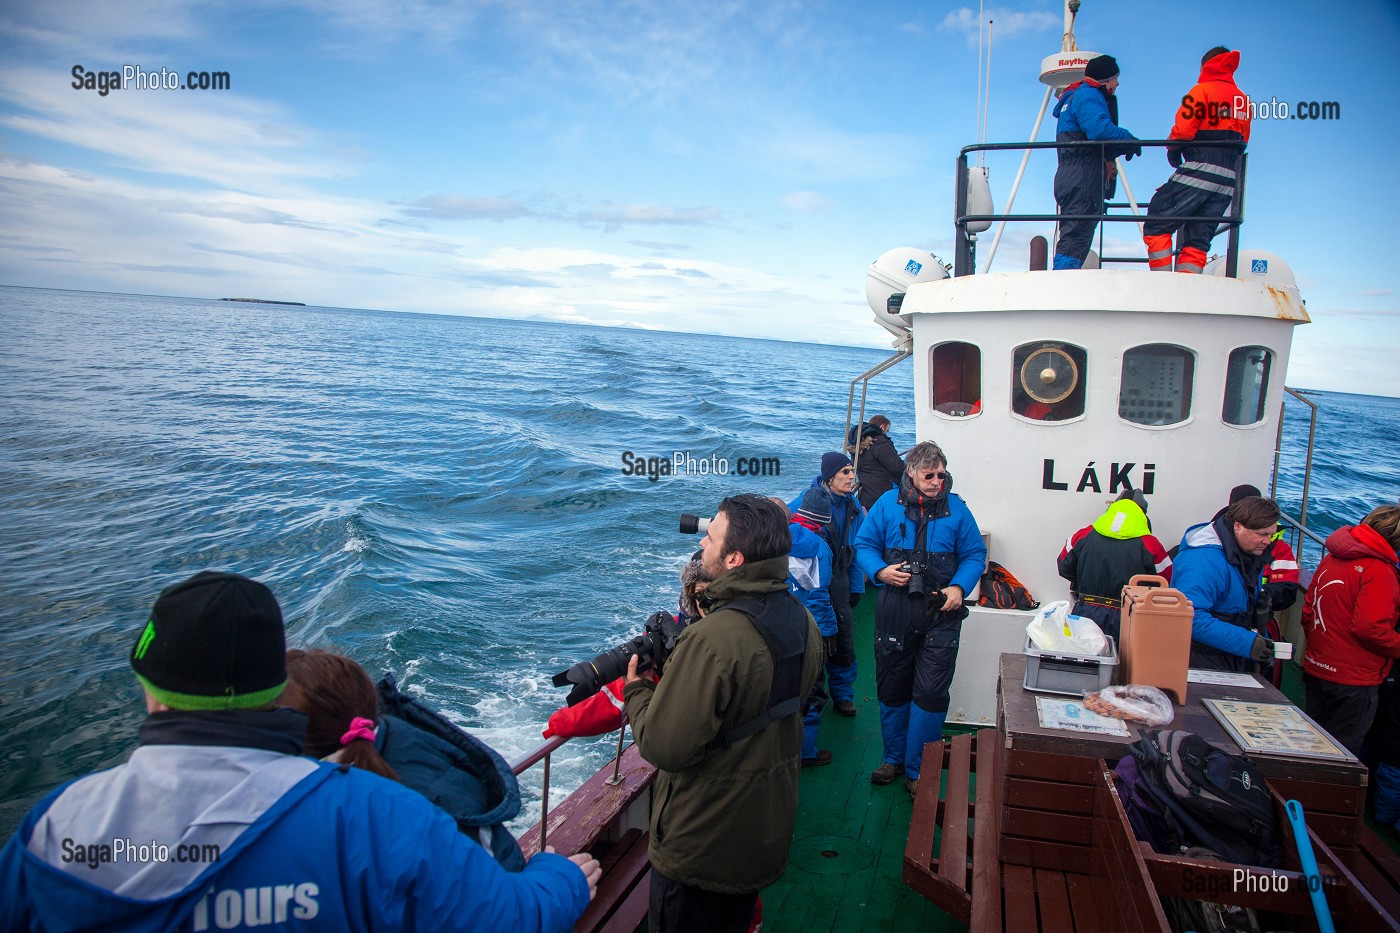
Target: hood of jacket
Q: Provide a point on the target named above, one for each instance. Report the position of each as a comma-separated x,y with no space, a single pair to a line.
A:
747,579
1351,542
1221,68
1124,519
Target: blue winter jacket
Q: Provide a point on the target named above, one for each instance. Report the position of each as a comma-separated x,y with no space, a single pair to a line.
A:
1084,109
846,518
1203,573
809,575
302,845
887,526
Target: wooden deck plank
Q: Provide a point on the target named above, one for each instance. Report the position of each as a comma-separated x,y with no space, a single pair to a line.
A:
986,869
1052,899
1084,895
952,852
1019,899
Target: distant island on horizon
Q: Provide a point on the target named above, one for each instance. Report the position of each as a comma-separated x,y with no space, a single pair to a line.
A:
267,301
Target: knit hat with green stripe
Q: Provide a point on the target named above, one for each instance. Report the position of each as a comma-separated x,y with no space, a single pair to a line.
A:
214,641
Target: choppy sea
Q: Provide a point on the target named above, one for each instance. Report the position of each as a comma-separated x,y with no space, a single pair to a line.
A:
443,498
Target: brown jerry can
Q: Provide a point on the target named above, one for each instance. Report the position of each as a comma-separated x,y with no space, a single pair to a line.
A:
1155,642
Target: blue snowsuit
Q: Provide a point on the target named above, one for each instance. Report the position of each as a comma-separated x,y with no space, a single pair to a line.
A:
846,580
1084,112
916,652
809,575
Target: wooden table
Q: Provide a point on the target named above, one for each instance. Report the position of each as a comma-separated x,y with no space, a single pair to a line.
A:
1018,720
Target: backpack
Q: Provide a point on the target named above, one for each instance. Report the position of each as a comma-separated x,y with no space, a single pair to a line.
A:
1187,793
1185,914
1001,590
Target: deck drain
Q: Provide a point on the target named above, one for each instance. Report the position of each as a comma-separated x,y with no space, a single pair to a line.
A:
831,855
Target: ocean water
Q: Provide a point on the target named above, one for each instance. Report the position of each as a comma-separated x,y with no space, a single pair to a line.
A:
439,497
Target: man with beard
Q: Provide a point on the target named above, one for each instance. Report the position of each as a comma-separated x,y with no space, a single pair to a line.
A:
835,484
723,726
921,546
1220,569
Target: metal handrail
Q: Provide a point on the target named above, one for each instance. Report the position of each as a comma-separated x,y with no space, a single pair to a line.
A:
1301,523
864,379
964,245
545,753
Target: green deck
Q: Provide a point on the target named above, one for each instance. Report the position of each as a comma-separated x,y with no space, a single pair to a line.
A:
848,850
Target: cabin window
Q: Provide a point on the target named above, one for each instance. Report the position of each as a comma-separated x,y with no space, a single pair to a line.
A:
1047,381
1246,384
1156,384
957,379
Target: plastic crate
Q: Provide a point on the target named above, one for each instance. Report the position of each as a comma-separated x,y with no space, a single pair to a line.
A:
1068,674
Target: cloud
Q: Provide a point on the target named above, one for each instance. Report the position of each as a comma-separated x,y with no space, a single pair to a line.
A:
660,246
806,202
613,216
1005,23
454,207
1378,292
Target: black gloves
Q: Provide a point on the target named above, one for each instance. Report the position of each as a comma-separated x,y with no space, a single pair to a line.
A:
1174,158
1262,650
1129,153
855,599
831,646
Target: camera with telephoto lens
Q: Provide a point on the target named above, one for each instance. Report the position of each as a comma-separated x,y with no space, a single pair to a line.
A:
652,647
694,525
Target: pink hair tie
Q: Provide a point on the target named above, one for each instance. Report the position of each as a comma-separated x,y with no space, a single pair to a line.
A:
360,728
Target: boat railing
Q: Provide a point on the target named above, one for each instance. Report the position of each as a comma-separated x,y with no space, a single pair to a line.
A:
1300,524
544,753
964,250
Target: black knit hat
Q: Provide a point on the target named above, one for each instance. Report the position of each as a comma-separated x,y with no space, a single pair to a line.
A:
1101,68
1243,491
215,641
815,507
833,462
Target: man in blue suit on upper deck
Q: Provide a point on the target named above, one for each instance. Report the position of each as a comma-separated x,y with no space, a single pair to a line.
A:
1088,110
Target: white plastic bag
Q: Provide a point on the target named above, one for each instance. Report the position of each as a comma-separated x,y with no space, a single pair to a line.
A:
1054,629
1133,701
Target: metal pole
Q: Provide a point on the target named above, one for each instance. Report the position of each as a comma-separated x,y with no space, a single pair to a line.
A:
1128,189
544,804
1016,185
962,259
616,778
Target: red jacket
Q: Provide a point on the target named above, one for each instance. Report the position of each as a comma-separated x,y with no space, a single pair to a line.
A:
1352,608
1215,103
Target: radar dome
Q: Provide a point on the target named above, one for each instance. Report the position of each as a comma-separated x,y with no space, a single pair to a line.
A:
893,274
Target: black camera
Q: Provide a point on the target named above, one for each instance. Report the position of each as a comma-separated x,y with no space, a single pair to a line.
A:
916,578
694,525
918,589
652,647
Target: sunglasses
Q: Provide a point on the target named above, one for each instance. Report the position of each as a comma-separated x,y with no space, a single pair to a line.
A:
938,476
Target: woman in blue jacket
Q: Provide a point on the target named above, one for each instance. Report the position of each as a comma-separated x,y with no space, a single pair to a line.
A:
922,547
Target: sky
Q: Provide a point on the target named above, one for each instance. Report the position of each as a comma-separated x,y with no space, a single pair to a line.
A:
712,167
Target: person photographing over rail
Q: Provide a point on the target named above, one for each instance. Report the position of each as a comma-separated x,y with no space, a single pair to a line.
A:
1214,110
921,546
283,840
723,727
1087,175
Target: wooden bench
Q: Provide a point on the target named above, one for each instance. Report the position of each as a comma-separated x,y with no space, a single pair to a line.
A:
946,876
609,821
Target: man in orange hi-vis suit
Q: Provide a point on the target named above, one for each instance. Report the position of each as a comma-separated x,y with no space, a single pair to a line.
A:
1204,181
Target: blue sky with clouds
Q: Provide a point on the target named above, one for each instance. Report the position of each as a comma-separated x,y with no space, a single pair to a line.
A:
714,167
